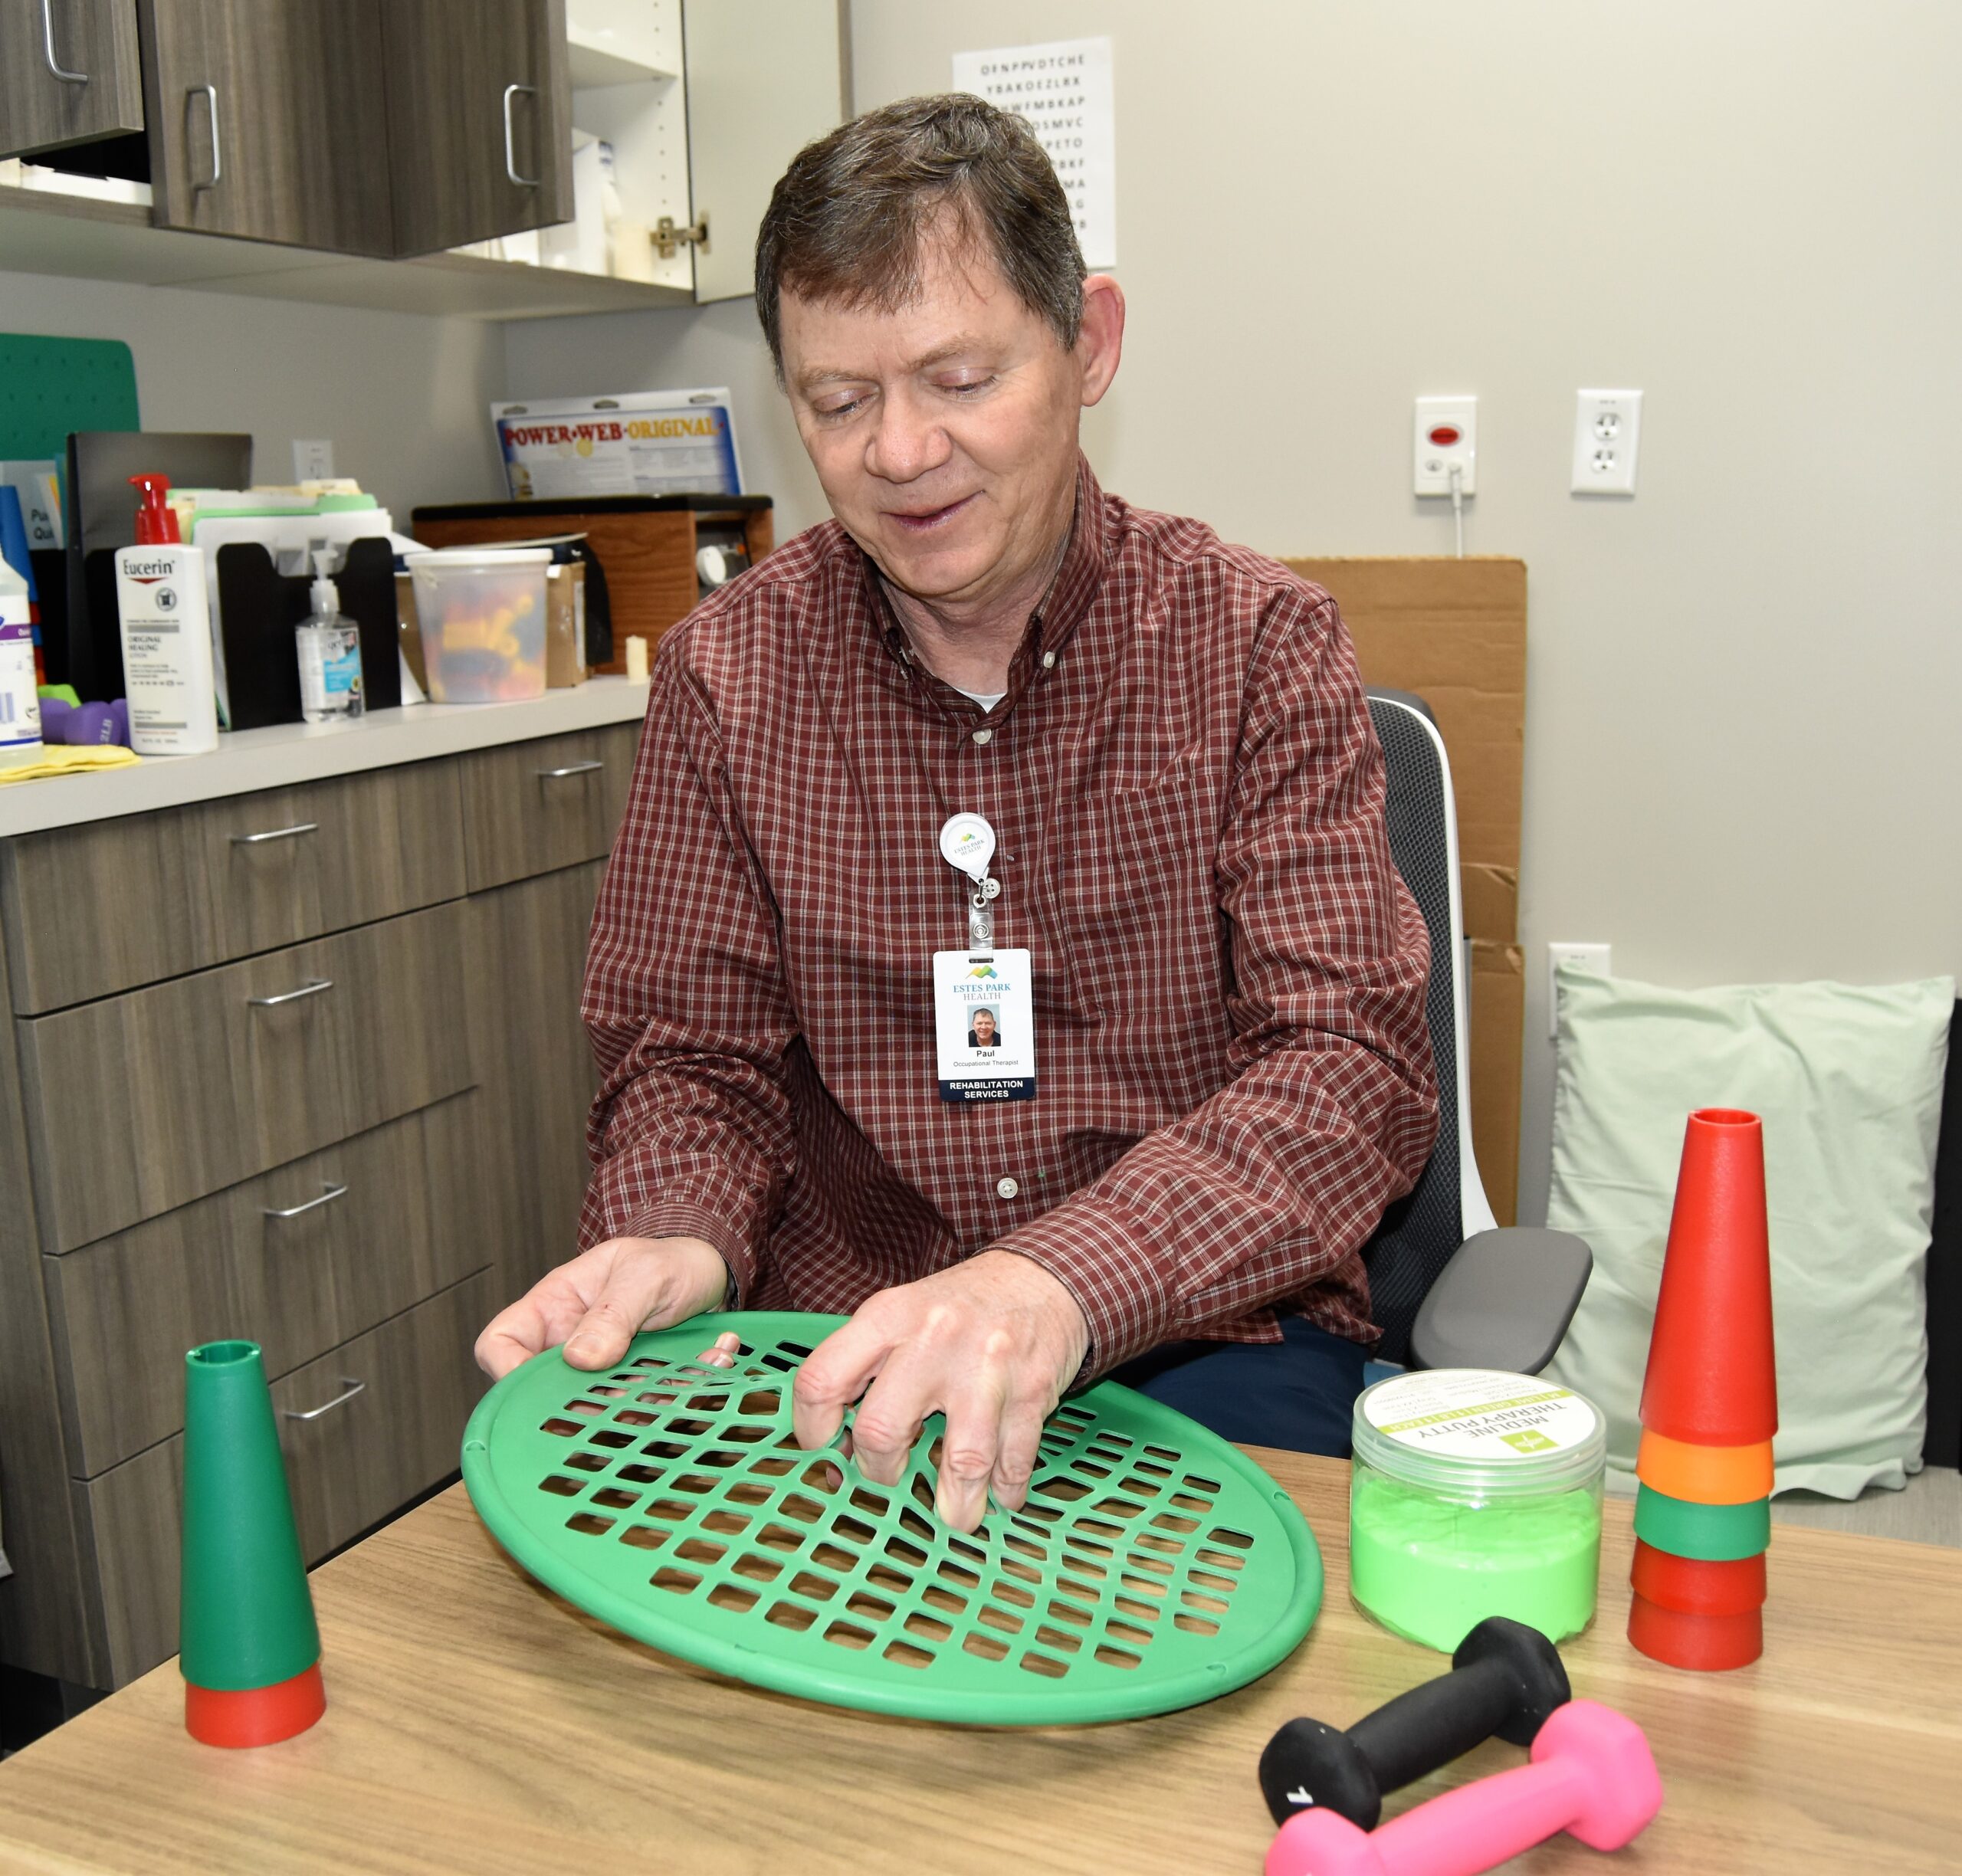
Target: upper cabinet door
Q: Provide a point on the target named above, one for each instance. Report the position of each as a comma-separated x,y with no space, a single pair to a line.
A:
69,73
765,76
267,118
479,119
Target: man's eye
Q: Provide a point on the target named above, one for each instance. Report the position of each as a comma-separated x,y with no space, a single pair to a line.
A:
841,410
968,388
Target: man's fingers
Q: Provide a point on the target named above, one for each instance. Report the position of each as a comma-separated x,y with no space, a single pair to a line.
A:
968,1449
636,1296
1014,1458
833,1376
723,1355
535,1321
887,1423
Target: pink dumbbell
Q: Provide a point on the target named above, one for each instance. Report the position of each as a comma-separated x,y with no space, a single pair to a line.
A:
1592,1776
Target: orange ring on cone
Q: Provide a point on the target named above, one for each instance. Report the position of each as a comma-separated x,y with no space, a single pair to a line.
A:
254,1715
1704,1474
1705,1643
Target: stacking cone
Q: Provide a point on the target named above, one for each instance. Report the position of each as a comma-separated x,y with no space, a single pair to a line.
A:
250,1647
1709,1410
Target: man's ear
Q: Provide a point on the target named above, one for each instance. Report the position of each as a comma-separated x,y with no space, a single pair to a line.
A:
1099,341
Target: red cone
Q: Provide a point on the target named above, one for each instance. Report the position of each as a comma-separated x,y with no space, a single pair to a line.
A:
1711,1378
1704,1644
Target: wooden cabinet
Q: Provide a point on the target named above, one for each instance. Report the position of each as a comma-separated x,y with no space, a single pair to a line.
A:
69,73
480,126
267,118
371,127
327,1093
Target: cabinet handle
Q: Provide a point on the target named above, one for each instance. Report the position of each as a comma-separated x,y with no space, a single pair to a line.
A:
510,152
328,1193
48,47
272,833
210,94
349,1387
292,996
570,769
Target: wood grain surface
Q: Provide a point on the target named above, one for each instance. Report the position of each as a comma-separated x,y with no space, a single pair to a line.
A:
475,1721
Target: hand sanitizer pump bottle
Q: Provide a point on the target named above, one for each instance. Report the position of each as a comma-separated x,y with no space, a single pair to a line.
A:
330,646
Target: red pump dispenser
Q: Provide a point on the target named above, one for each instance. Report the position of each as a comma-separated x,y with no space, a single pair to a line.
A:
156,520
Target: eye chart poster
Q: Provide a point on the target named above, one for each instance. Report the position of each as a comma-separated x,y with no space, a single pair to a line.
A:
1063,92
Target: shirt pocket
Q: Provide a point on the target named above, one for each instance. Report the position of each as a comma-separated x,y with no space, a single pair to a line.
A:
1137,918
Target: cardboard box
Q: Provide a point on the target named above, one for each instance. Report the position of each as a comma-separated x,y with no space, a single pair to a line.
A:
1454,631
565,626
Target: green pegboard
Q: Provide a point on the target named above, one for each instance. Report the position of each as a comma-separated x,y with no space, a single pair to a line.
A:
50,386
1154,1567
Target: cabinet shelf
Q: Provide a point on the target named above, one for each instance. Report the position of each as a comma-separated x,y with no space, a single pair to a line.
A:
41,232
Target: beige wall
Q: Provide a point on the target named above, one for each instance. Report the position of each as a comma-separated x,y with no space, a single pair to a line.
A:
405,399
1742,762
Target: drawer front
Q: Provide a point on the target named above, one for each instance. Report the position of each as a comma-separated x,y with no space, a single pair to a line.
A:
94,909
144,1102
348,1469
299,1261
534,807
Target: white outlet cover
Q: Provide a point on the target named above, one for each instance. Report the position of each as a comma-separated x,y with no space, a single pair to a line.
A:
312,459
1597,958
1607,433
1446,436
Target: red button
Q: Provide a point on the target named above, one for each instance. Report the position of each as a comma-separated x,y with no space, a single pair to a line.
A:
1444,435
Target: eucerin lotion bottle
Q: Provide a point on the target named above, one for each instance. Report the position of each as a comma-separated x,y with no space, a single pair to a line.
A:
166,621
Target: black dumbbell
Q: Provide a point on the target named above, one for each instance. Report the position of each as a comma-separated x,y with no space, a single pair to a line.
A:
1505,1680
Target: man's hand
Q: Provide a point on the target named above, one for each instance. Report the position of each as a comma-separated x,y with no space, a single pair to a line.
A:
596,1304
992,1343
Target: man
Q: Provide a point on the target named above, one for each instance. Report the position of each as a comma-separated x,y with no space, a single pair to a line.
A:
1165,743
983,1035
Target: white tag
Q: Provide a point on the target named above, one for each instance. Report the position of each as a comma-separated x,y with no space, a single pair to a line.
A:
984,1024
968,842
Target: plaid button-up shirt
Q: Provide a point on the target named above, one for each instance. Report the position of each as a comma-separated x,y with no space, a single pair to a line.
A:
1233,1071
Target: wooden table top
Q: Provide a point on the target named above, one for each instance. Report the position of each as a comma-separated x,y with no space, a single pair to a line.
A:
477,1723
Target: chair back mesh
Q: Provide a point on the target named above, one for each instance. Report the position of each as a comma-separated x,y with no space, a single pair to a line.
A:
1421,1231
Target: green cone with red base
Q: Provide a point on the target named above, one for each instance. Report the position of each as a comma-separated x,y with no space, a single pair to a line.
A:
250,1647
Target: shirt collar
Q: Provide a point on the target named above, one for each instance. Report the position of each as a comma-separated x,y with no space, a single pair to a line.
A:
1051,625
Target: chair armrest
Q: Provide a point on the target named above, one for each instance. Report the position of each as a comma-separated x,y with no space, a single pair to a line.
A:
1503,1300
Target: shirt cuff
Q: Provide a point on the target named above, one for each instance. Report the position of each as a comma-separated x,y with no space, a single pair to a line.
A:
1116,1276
679,1218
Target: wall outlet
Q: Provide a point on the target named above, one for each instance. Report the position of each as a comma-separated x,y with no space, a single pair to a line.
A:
1597,958
1447,438
1607,430
312,459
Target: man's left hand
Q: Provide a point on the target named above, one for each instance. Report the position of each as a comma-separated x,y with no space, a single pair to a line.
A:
992,1343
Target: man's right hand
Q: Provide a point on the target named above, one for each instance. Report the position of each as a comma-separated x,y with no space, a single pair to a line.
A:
597,1303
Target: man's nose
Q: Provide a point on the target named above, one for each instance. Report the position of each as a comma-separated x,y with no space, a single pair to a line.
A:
909,441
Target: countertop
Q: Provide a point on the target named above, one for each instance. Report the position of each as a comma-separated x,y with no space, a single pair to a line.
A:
476,1722
250,760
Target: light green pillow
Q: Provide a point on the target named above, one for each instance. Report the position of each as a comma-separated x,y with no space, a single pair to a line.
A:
1848,1083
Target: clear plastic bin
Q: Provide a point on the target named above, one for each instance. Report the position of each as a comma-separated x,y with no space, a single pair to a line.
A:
480,615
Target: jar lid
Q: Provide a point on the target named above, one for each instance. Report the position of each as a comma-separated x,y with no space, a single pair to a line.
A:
1498,1433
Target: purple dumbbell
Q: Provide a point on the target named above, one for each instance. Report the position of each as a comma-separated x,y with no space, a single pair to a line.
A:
1592,1776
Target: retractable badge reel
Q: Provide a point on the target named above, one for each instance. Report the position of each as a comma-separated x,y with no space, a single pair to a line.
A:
983,1011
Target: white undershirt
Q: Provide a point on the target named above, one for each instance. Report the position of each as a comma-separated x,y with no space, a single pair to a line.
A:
987,703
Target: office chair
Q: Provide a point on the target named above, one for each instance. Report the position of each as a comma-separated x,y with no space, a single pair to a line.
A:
1448,1287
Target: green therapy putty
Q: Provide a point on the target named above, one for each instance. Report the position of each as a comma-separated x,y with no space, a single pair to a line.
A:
1475,1493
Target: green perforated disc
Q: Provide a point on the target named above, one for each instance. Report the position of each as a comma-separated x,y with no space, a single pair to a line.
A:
1154,1566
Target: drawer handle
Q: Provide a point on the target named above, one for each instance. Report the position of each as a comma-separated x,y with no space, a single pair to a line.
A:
349,1387
292,996
328,1193
48,48
511,151
209,94
272,833
570,769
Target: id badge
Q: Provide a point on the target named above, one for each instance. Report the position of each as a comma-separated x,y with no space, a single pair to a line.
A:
984,1020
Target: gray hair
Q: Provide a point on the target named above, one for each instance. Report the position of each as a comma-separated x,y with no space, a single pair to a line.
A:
847,220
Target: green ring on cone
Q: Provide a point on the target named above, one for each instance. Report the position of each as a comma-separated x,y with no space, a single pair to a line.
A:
1710,1533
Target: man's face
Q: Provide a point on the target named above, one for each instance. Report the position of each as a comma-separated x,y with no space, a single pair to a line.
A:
984,1029
944,432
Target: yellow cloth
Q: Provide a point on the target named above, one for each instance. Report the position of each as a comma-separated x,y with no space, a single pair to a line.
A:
58,759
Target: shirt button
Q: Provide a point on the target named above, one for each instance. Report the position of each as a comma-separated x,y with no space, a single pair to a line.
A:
1048,661
984,737
1007,1188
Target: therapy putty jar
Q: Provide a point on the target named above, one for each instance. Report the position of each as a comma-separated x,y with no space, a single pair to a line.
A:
1475,1493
